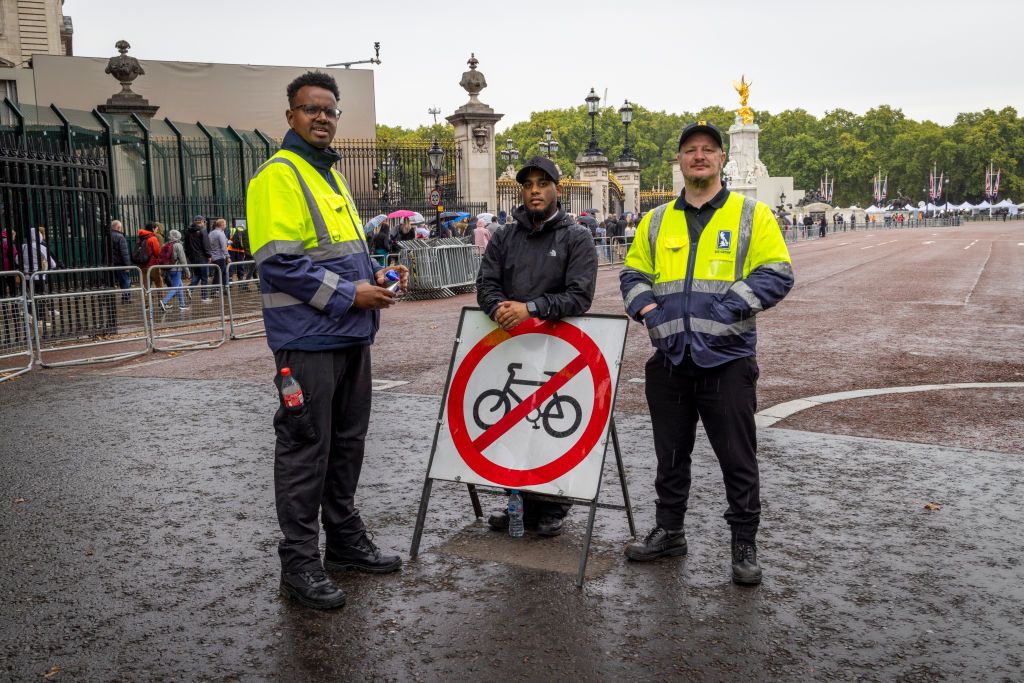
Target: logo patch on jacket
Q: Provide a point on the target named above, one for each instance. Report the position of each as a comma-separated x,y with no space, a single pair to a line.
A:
553,253
724,239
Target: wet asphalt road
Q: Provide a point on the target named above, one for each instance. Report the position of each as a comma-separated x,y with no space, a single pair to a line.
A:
135,546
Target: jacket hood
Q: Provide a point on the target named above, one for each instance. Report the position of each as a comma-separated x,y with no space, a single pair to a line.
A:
560,220
145,233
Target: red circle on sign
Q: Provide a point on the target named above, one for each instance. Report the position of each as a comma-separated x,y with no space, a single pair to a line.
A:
507,476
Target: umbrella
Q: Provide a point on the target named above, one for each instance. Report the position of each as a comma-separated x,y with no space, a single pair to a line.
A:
450,217
403,213
486,216
417,218
588,221
374,222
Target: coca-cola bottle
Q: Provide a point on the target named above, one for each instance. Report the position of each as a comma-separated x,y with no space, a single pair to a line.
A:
298,418
291,392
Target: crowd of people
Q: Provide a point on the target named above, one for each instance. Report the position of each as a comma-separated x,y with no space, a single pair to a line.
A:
199,257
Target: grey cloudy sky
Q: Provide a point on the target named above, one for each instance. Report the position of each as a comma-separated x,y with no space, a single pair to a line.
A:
930,59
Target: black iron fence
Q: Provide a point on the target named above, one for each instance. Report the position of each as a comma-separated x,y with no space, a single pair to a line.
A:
650,199
576,196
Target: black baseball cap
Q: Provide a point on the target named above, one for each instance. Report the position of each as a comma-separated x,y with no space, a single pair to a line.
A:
701,126
543,163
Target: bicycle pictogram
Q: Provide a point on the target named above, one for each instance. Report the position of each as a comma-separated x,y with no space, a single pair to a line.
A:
560,416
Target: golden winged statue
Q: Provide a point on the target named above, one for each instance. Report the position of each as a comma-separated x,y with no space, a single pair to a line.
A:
745,113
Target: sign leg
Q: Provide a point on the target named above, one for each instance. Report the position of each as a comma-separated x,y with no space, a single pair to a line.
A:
622,479
474,497
421,517
585,553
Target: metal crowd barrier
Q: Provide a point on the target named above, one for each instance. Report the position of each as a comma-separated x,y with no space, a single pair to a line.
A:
610,250
15,330
85,308
179,314
439,267
245,306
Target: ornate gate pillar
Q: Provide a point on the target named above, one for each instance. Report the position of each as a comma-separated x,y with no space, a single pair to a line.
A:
593,169
474,137
628,173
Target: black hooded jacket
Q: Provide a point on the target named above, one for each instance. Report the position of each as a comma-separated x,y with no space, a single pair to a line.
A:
555,267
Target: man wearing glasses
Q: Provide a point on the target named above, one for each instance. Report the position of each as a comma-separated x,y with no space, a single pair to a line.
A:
321,314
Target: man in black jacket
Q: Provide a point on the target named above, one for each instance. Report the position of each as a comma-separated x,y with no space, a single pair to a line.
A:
544,266
197,251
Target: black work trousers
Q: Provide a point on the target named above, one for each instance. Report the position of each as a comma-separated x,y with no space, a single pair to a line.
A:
725,400
317,479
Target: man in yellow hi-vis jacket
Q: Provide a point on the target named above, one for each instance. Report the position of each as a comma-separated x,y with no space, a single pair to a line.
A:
320,310
698,271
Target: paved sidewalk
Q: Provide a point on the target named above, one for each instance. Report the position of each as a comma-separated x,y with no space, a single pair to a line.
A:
139,544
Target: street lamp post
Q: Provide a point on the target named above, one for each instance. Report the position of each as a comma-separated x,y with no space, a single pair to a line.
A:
782,203
593,101
510,154
435,155
626,112
548,144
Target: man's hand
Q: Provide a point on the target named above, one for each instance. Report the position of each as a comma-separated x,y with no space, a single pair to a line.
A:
403,274
372,297
508,314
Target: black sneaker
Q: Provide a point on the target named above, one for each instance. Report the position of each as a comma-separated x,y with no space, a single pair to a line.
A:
659,543
313,589
363,555
745,569
549,526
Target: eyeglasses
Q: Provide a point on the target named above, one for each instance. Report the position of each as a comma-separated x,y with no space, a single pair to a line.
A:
313,111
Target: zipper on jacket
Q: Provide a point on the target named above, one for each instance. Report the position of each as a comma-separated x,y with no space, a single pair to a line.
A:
688,283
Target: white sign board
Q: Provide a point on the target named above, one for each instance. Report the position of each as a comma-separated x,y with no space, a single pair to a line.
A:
530,409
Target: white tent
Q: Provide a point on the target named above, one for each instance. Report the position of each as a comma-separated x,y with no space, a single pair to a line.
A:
966,206
874,209
984,205
1005,204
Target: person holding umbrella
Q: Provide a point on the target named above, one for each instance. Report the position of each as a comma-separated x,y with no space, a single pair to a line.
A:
543,266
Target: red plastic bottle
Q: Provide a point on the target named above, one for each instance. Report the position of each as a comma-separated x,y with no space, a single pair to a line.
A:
291,392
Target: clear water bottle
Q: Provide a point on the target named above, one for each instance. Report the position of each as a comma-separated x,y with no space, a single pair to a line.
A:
395,279
515,514
291,392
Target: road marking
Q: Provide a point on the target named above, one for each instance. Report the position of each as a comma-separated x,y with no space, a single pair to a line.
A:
382,384
1020,244
769,416
843,244
981,270
929,242
970,245
872,246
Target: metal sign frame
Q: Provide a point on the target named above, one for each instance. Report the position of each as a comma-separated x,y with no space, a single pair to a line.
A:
473,489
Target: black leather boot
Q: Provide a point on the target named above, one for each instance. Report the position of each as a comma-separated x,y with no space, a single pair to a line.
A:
313,589
659,543
363,555
745,569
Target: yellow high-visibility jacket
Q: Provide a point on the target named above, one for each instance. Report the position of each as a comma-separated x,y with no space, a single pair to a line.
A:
308,243
707,293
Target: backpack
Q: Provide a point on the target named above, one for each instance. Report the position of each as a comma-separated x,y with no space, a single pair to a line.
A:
140,256
166,256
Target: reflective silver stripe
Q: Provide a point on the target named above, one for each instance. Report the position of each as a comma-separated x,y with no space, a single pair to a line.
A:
654,228
669,287
637,290
667,329
717,329
322,235
781,267
327,288
711,286
294,248
336,250
747,294
279,300
746,229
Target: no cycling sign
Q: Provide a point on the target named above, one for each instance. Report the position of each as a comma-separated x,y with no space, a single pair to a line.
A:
530,409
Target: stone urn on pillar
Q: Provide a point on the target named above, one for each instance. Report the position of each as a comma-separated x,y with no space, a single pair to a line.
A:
474,136
126,69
